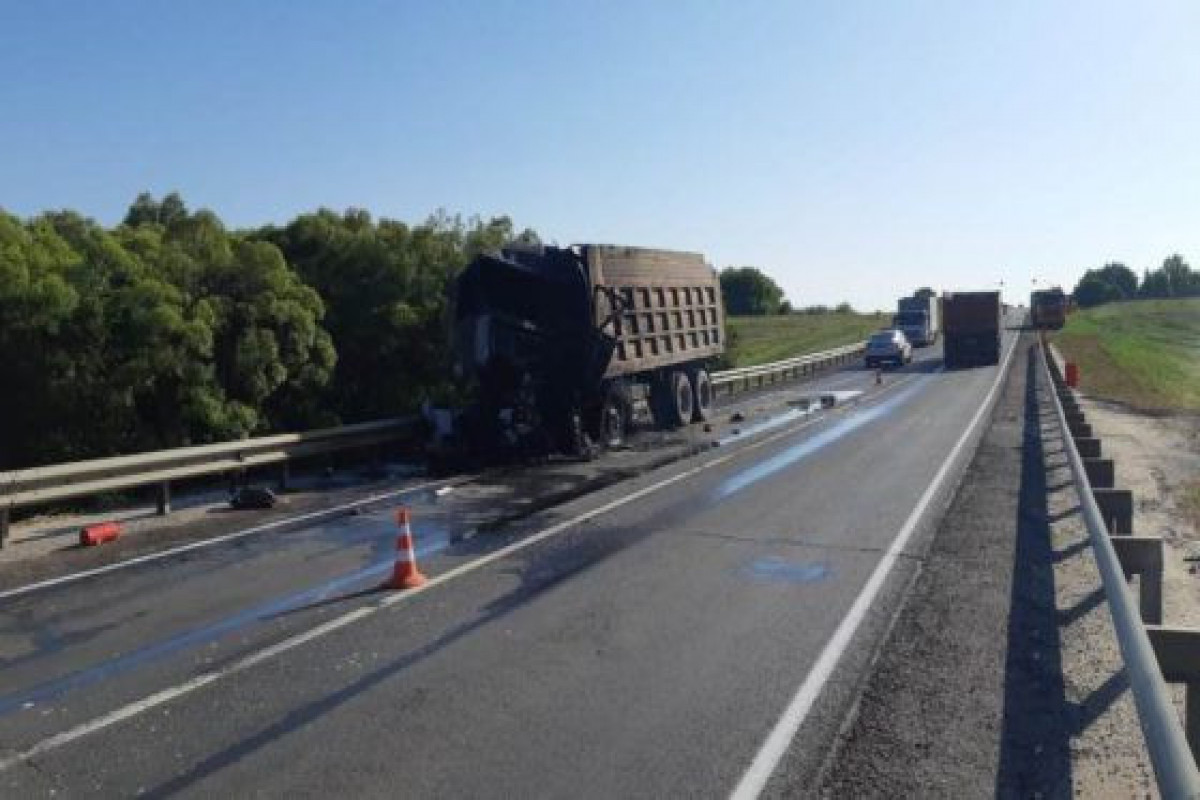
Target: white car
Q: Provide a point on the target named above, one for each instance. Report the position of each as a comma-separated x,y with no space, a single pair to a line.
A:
888,347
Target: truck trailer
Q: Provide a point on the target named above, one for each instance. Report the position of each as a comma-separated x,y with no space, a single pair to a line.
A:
1048,308
920,319
566,348
971,325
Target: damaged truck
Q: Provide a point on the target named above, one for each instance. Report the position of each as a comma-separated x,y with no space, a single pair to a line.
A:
566,349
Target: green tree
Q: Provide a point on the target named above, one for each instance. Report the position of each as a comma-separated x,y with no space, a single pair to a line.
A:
1110,283
1181,281
385,284
747,291
1120,276
1173,279
170,329
1154,284
1093,290
143,211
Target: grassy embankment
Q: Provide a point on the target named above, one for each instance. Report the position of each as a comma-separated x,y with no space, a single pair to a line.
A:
1145,354
757,340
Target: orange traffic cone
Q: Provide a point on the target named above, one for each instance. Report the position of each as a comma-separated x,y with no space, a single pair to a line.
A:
406,575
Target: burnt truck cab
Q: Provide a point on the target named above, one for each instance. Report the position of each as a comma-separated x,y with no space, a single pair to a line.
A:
565,347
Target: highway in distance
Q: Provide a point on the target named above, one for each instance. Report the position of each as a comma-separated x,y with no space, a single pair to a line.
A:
696,630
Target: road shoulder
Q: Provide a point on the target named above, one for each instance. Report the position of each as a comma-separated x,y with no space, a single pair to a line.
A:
1001,675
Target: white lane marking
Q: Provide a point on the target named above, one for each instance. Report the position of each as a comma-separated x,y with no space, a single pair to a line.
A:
167,695
174,551
772,751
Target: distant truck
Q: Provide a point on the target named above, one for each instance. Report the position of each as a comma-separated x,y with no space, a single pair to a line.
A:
971,325
919,318
567,347
1048,309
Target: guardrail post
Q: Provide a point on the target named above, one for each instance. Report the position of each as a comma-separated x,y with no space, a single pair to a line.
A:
1087,446
1116,507
1191,717
1172,746
1143,556
1101,473
3,527
164,498
1178,654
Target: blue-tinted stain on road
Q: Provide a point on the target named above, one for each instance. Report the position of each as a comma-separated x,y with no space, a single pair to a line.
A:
775,569
781,461
315,595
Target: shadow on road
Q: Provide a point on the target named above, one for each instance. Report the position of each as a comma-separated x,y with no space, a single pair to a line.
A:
1039,719
538,571
1035,758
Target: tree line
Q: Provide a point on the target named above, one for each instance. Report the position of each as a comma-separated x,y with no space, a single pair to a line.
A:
170,329
748,291
1115,282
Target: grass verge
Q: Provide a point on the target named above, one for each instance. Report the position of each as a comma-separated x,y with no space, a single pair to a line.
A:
758,340
1145,353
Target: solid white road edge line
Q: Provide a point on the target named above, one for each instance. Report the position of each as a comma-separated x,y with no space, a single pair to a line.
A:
772,751
167,695
228,537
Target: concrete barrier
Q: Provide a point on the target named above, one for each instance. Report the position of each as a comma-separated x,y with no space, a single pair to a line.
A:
1116,507
1080,430
1178,654
1143,556
1101,472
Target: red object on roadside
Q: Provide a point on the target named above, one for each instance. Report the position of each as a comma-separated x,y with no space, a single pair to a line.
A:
99,533
1072,375
405,574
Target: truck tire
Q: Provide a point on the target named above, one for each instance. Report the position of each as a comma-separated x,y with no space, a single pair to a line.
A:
703,390
611,426
579,442
678,400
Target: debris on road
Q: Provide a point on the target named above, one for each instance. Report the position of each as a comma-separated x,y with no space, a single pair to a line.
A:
251,497
100,533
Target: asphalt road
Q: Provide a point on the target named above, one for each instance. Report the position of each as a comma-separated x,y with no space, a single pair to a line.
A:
641,640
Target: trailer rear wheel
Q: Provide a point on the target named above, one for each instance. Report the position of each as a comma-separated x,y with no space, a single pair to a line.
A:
612,421
682,399
703,390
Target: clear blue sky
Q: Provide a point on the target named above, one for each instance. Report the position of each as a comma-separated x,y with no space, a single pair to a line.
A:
853,150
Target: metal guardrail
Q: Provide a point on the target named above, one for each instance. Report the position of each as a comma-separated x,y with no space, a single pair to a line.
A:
1166,741
41,485
732,381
